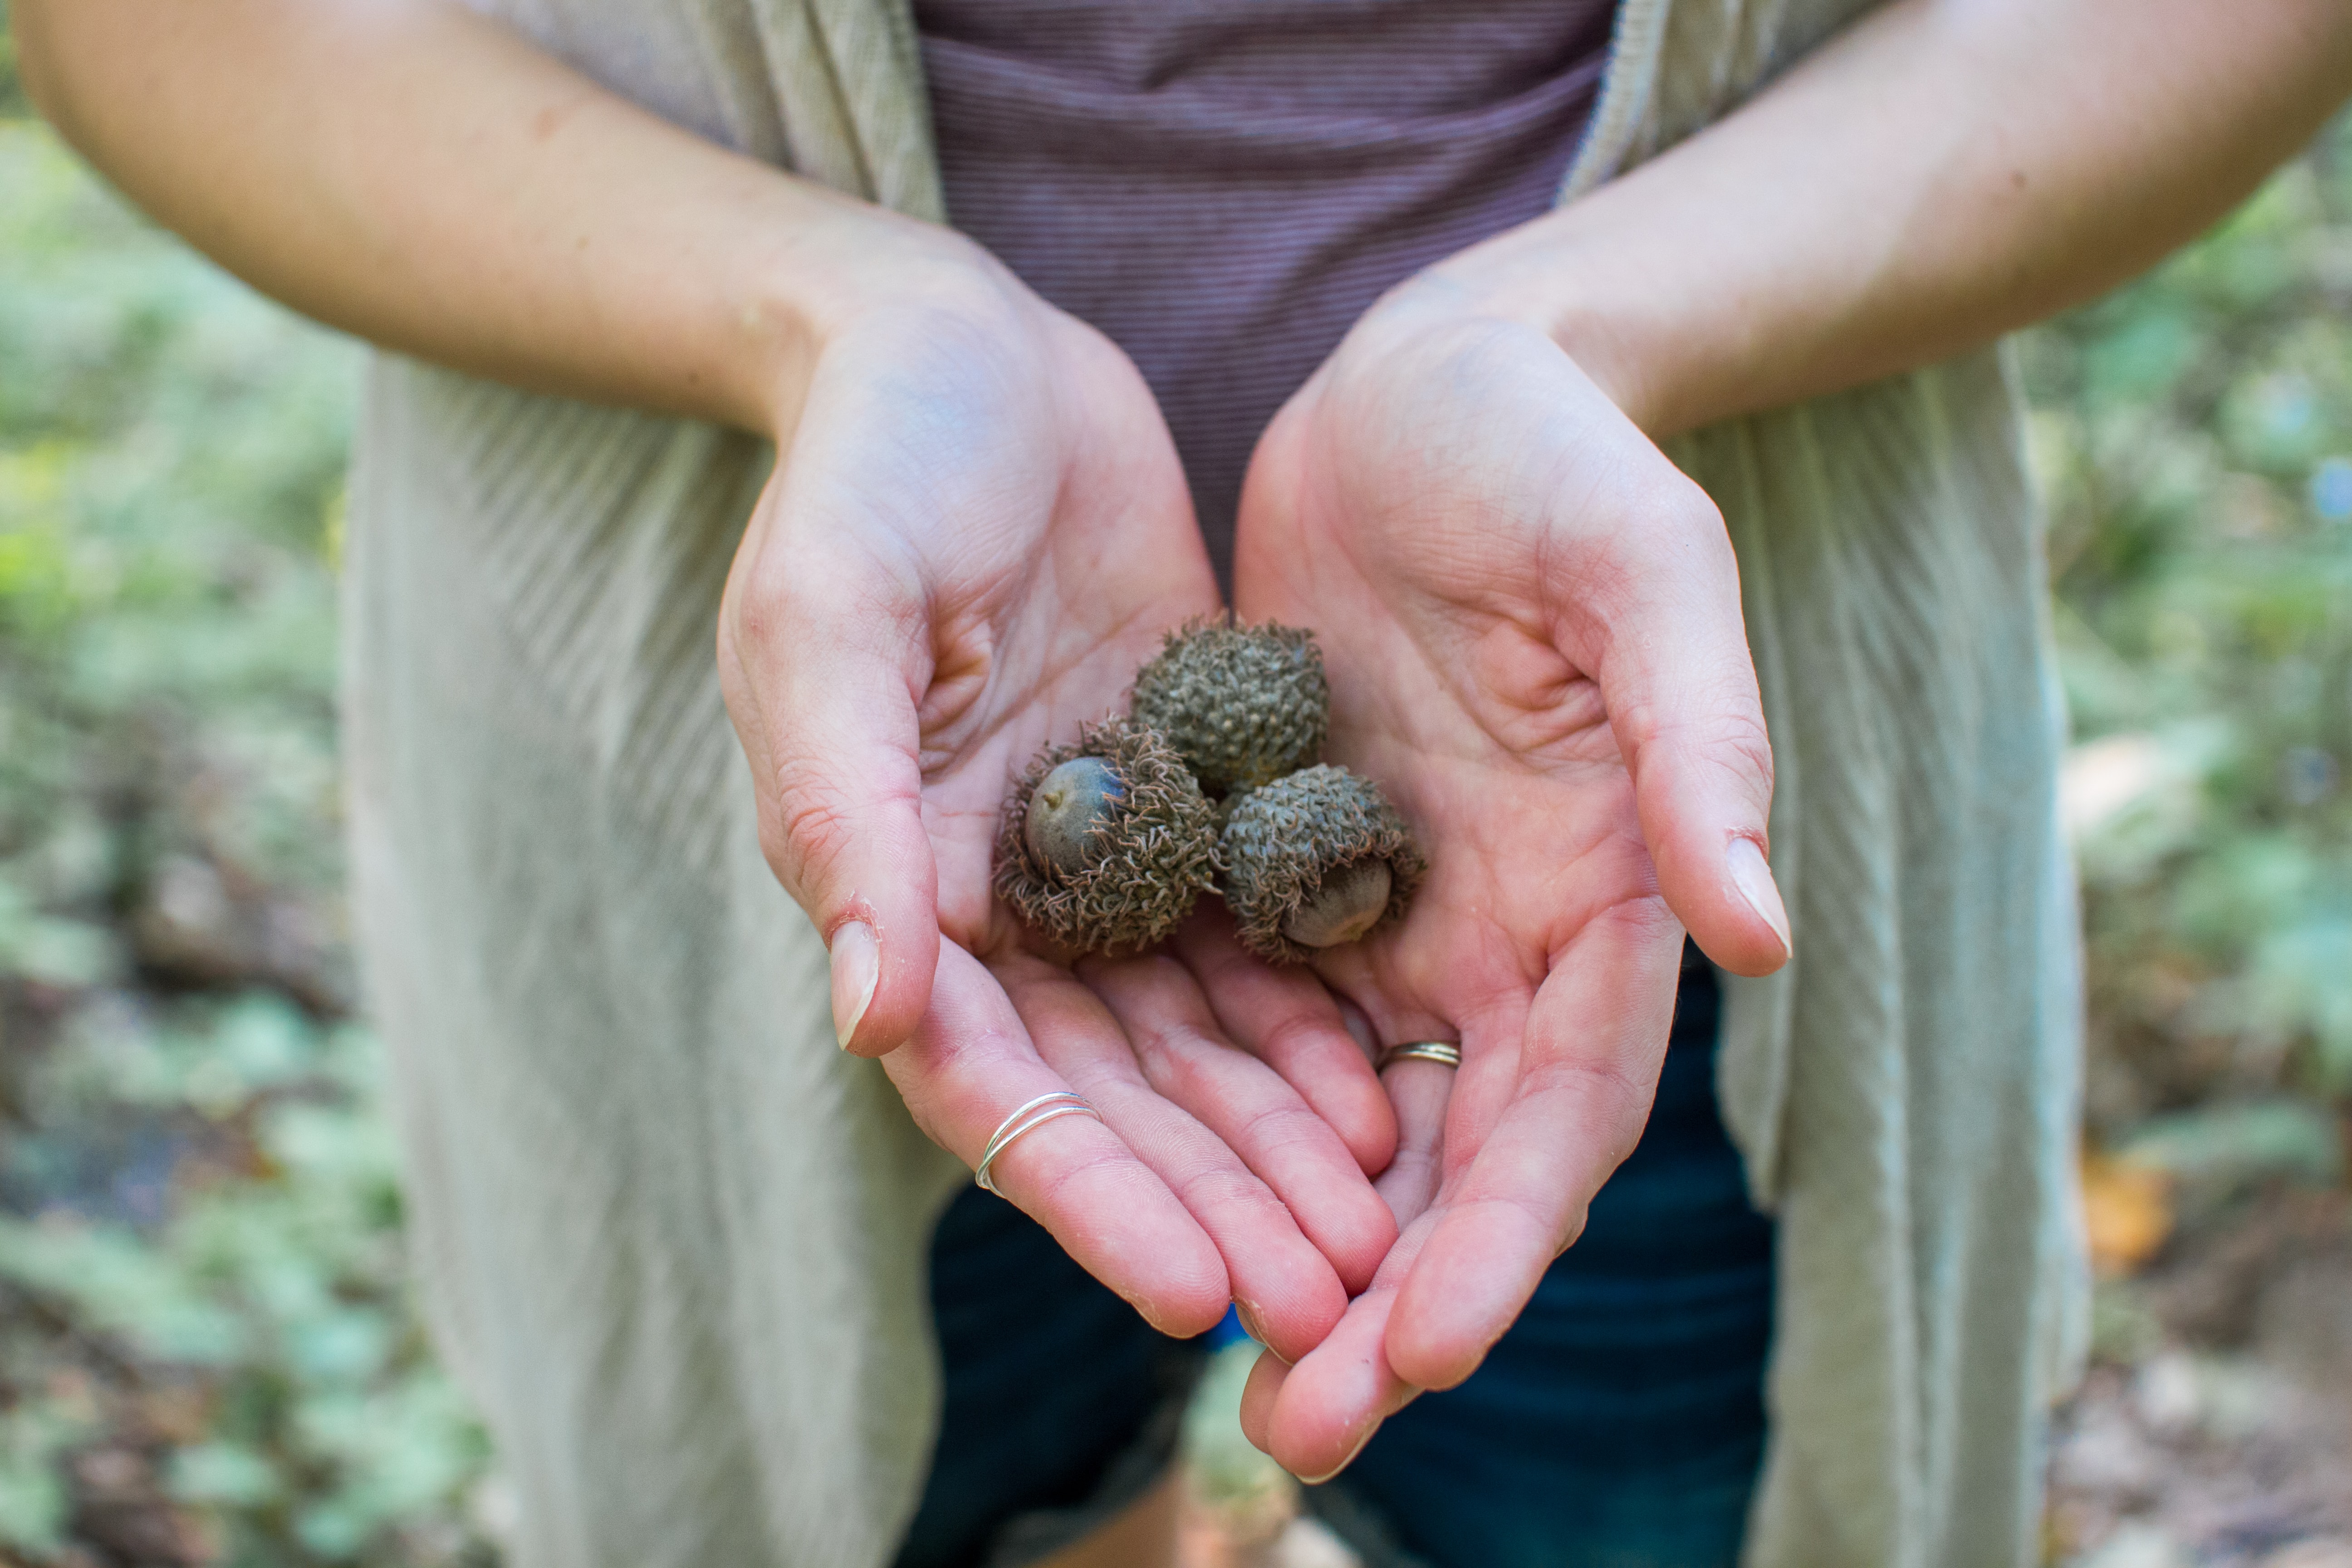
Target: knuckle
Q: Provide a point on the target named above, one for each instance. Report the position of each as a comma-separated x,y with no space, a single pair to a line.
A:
1613,1098
952,1056
1056,1182
1222,1188
1740,754
812,595
1277,1128
1647,921
814,826
775,845
1170,1056
1718,728
1553,1228
1413,1161
1295,1035
1538,1220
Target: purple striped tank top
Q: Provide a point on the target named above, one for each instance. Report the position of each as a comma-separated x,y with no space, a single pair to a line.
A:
1221,186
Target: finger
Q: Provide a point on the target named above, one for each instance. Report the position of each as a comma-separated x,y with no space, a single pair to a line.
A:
1278,1134
1420,1091
1258,1396
1594,1040
970,1063
1287,1292
1291,1022
828,652
1686,715
1321,1412
1358,1024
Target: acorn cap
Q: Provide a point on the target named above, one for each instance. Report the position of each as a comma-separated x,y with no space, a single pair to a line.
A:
1319,854
1147,847
1244,705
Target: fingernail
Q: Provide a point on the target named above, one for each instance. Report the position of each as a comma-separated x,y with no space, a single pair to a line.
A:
1318,1480
1754,880
856,970
1257,1331
1248,1315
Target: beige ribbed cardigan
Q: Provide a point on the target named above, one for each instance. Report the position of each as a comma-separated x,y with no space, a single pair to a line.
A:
673,1239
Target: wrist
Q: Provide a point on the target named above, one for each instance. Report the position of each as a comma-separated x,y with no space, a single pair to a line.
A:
836,272
1546,277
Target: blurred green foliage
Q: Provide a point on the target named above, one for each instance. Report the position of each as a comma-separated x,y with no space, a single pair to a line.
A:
2195,433
13,105
207,1349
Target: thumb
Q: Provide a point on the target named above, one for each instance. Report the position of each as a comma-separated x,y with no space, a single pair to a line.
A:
1680,686
822,690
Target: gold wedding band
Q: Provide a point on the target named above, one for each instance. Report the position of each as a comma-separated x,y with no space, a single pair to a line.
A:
1439,1051
1027,1119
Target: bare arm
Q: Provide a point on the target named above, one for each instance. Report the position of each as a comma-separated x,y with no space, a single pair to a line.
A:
1947,171
979,529
410,173
1534,619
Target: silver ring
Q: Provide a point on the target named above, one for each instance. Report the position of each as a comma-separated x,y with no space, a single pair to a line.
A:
1439,1051
1027,1119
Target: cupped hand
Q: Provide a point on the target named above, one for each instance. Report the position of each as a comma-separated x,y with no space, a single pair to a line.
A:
976,530
1531,621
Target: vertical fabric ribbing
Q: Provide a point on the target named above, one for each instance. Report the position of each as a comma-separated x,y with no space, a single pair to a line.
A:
673,1238
1905,1091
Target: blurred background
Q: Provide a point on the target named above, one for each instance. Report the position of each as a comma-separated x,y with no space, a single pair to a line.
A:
207,1349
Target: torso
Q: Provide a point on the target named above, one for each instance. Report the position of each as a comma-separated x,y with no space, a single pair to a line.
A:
1223,186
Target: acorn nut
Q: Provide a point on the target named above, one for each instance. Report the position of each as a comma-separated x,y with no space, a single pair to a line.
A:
1351,902
1105,845
1068,804
1315,858
1244,705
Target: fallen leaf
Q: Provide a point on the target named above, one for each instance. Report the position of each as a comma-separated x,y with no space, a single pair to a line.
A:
2127,1212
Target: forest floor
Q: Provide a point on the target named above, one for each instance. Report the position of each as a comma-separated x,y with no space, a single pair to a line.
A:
2213,1430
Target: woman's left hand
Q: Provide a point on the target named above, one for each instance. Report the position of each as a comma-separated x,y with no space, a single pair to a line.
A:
1532,625
976,530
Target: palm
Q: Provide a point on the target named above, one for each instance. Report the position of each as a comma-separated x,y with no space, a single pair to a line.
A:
1066,569
1454,510
1521,793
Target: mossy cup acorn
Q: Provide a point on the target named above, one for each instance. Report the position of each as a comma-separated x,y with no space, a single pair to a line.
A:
1106,846
1243,705
1315,858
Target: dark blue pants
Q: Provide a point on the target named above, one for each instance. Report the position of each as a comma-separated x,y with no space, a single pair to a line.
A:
1618,1424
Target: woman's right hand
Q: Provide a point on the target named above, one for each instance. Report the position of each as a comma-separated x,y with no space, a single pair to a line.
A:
1536,645
976,530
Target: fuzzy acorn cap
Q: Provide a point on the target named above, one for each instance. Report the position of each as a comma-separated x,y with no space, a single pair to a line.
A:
1320,830
1145,860
1244,704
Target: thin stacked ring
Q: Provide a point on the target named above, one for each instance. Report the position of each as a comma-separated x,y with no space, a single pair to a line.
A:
1027,1119
1439,1051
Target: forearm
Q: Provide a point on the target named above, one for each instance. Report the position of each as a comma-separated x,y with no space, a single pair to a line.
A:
1946,171
408,172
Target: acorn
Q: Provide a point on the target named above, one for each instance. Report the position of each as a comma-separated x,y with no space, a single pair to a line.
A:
1105,845
1068,804
1244,705
1315,858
